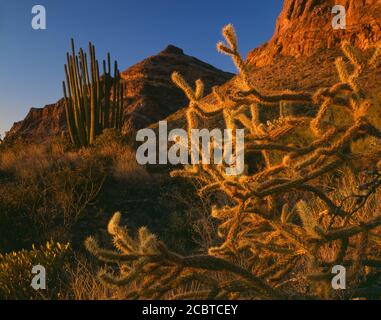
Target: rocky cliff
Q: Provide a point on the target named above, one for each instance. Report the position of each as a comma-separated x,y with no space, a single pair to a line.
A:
301,54
150,95
305,27
40,124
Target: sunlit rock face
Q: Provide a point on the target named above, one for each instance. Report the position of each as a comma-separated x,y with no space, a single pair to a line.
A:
301,54
305,27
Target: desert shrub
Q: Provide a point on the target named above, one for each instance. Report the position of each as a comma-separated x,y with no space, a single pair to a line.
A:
283,227
73,187
25,161
17,226
109,137
16,272
83,283
189,225
113,146
126,168
45,190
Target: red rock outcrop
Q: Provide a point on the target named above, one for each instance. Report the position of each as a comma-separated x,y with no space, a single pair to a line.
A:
301,54
40,124
305,26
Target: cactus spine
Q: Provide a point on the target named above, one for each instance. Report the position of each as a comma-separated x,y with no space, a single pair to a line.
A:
92,102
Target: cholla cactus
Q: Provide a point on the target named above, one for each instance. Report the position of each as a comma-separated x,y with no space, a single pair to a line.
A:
286,226
147,264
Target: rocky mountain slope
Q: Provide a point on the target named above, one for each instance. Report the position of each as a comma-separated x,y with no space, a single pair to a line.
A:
40,124
150,95
301,54
305,26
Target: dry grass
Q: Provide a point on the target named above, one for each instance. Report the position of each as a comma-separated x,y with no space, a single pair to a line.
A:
84,285
47,189
51,191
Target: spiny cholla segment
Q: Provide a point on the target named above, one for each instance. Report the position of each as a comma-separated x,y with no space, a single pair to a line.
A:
276,222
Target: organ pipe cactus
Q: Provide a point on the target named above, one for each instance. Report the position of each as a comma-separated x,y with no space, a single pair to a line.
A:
92,102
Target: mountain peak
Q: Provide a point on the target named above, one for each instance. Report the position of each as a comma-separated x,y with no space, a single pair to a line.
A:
171,49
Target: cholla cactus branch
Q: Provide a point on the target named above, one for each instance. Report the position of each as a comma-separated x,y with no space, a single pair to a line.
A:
232,50
280,216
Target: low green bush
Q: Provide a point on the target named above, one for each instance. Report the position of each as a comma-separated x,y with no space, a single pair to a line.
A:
16,272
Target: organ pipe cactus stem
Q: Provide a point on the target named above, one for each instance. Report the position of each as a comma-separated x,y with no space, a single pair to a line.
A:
92,102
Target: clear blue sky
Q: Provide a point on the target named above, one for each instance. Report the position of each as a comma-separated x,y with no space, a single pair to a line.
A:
31,61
